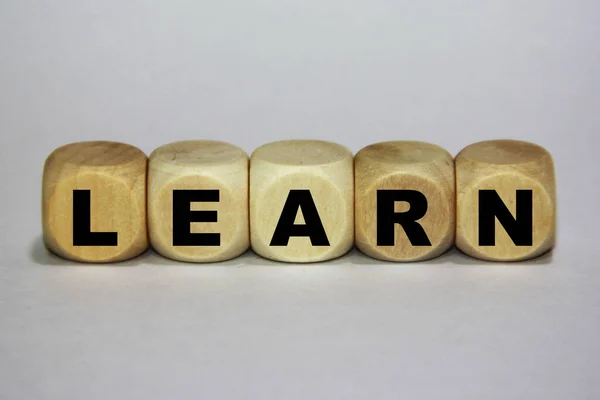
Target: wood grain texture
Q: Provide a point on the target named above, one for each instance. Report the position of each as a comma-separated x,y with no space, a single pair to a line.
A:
405,165
200,165
505,166
324,168
115,174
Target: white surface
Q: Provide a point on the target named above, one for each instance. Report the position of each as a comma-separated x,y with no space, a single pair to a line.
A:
249,72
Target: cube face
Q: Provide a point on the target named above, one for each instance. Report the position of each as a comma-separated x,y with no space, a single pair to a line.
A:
505,188
193,166
404,178
307,184
112,178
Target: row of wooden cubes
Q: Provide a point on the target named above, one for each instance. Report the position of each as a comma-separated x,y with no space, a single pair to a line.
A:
298,201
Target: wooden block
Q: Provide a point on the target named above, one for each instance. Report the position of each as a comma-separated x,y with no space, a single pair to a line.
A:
506,201
198,201
301,200
94,201
405,200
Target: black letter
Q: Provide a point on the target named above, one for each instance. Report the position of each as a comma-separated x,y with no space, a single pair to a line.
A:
386,217
313,227
183,216
519,229
82,225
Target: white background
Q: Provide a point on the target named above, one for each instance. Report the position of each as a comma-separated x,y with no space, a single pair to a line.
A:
254,71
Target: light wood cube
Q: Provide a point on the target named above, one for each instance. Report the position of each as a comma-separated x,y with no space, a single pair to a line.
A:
94,201
405,201
301,200
506,203
198,201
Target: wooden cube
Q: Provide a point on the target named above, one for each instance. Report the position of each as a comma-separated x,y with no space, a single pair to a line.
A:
198,201
301,200
506,203
94,201
405,197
